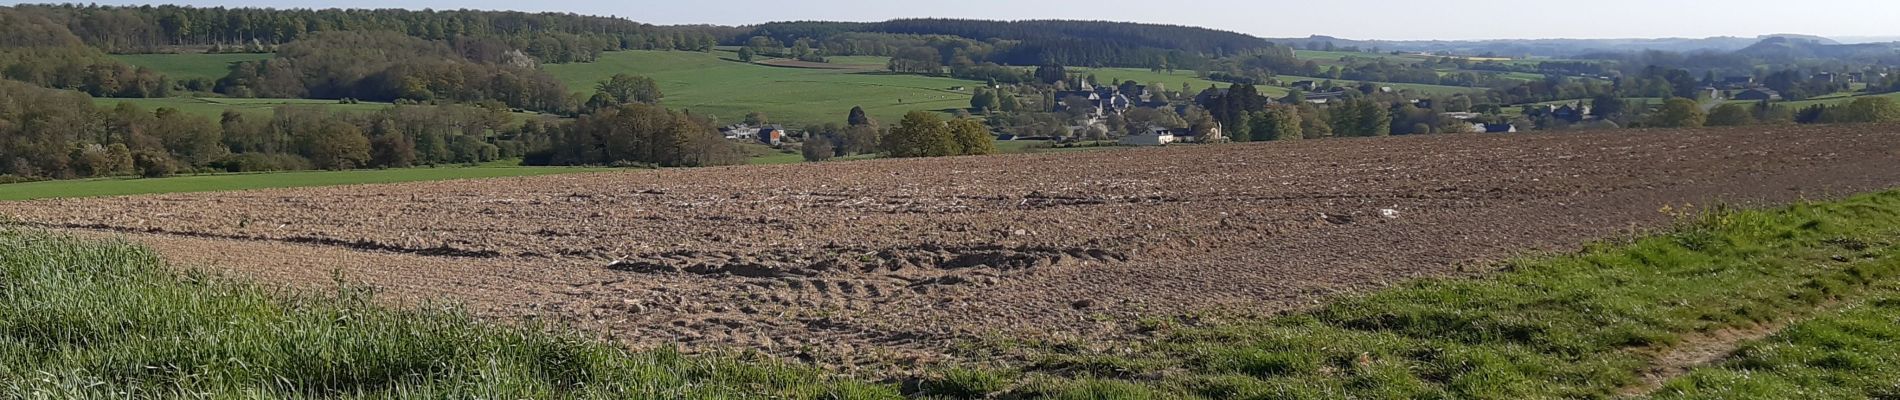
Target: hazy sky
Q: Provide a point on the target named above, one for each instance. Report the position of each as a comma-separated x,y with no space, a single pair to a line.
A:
1355,19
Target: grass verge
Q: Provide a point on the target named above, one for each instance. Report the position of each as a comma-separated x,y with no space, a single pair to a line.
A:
103,320
1850,354
1572,326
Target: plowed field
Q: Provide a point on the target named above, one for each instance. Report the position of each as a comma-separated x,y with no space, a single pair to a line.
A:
895,260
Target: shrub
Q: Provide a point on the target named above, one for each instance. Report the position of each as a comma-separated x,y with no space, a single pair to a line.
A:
817,149
153,164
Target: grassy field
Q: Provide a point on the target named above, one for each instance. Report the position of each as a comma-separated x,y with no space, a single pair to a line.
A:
1331,58
190,66
1172,80
1837,100
878,61
711,83
213,107
223,182
1433,90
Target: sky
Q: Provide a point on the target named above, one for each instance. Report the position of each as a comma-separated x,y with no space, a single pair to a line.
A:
1351,19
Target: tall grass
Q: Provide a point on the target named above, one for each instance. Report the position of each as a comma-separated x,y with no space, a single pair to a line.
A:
1552,327
84,319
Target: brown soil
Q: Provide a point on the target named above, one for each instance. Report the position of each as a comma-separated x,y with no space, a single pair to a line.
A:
893,260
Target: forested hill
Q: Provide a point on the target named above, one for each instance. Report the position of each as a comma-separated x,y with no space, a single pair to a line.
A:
1782,49
1040,41
551,37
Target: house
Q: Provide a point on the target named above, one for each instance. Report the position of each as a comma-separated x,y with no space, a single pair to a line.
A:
1187,135
1422,103
1758,94
1461,116
1150,137
1500,128
1306,85
1103,100
771,134
1208,95
1094,122
1738,82
1327,97
1825,77
740,132
1571,112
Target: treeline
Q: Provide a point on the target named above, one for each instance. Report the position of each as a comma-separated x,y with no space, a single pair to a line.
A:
1262,65
37,50
633,135
549,37
1078,43
1681,113
388,66
55,134
1656,81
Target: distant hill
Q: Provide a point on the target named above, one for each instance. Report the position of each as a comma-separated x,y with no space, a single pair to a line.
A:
1866,39
1787,48
1554,47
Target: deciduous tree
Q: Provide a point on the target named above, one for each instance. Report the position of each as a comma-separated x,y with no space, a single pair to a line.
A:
1678,113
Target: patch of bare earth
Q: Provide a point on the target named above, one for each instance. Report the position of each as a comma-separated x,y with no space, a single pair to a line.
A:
892,261
1697,350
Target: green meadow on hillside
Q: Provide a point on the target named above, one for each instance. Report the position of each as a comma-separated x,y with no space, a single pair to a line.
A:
1434,90
213,107
713,83
1172,80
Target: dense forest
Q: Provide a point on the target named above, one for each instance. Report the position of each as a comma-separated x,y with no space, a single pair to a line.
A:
549,37
59,134
36,50
388,66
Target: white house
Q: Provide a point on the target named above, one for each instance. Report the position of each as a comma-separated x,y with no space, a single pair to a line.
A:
740,132
1153,137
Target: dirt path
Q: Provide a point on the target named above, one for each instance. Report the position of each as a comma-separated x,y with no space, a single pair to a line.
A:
1694,351
892,261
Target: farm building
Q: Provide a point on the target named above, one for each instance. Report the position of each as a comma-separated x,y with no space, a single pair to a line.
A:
771,134
1187,135
1151,137
1499,128
1327,97
1758,94
740,132
1571,112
